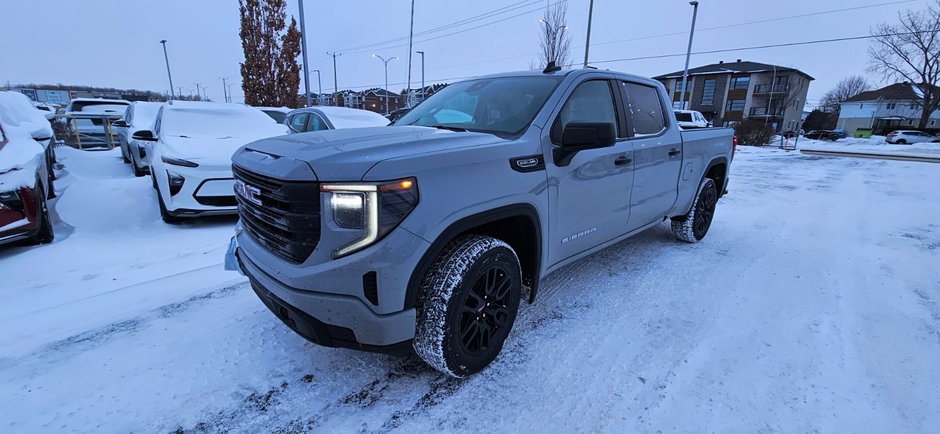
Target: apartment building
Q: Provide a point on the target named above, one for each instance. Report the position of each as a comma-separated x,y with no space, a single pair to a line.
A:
729,92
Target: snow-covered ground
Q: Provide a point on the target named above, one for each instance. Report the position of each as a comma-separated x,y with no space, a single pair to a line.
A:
812,305
874,145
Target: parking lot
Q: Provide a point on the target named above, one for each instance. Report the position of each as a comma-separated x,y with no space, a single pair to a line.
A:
815,294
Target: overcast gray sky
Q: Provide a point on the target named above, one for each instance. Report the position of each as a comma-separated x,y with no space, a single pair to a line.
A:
115,43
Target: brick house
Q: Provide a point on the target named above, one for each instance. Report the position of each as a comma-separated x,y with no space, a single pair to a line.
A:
727,93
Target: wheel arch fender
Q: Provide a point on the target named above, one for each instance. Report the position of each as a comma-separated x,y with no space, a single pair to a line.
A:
502,222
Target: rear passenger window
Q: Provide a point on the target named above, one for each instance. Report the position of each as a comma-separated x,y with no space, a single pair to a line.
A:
592,101
298,122
645,109
316,123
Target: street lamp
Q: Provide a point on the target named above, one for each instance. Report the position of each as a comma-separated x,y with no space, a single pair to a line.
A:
688,53
386,77
422,74
319,86
167,58
303,48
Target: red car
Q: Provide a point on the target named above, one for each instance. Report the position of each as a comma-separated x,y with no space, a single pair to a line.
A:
23,190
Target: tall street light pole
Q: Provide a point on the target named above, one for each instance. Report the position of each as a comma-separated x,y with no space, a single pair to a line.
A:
319,87
688,53
335,86
167,59
422,73
587,43
410,39
303,49
386,77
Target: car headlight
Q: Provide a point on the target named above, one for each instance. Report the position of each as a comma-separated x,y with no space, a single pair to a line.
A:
374,208
178,162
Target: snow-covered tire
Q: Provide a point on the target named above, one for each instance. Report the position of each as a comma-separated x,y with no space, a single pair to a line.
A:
164,213
475,276
693,226
45,233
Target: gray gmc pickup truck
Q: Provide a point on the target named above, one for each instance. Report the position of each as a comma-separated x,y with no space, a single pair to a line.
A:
425,235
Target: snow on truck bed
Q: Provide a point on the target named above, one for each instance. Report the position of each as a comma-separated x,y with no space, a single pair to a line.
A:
812,305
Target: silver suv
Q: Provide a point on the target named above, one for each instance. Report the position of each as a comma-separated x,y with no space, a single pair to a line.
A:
426,235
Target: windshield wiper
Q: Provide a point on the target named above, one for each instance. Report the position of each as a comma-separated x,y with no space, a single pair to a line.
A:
447,127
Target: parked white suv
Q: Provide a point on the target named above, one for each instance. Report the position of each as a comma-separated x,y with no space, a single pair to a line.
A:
904,137
691,119
139,117
191,160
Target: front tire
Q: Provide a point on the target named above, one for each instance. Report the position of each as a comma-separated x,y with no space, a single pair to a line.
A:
45,234
693,226
469,301
164,213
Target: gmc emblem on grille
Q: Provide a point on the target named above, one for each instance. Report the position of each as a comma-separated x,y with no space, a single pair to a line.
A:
248,192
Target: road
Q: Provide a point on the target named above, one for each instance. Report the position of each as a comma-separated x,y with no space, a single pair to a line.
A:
811,306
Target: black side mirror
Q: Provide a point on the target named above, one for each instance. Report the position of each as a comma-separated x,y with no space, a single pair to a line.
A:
145,135
119,123
580,136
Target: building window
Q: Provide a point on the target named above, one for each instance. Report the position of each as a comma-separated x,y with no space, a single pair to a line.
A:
735,105
913,106
708,92
932,122
740,82
890,106
677,105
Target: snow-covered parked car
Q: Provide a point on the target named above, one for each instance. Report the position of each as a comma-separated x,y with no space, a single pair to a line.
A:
691,119
139,116
23,188
85,118
276,113
330,118
906,137
191,160
18,113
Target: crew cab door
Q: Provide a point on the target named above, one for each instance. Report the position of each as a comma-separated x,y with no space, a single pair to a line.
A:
657,153
589,195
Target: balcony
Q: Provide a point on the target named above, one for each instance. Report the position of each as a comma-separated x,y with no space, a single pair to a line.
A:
766,89
764,111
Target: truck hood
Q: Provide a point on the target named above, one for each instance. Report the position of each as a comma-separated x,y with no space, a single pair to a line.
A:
348,154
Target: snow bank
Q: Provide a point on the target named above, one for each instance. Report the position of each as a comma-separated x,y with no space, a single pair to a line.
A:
876,145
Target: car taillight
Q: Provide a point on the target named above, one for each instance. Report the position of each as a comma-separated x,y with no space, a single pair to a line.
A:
734,146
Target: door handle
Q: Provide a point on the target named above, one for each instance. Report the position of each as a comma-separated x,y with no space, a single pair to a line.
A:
674,151
622,161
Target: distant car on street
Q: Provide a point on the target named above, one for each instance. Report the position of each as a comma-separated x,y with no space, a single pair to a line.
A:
140,116
821,135
321,118
691,119
840,133
276,113
191,159
906,137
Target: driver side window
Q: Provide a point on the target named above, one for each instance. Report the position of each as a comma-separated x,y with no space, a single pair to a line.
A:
592,101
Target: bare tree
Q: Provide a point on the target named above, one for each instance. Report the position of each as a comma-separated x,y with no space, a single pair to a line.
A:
845,89
554,42
910,51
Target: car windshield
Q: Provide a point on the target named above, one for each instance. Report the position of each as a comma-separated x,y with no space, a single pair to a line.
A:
684,117
503,106
213,123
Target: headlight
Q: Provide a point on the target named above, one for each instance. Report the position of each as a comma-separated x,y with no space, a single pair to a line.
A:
178,161
376,209
175,181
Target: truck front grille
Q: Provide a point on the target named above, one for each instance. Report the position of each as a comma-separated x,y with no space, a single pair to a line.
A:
287,222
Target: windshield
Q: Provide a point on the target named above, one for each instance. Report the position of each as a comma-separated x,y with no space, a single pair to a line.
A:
684,117
498,105
214,123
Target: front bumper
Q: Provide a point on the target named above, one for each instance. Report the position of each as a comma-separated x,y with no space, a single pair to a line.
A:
204,192
331,320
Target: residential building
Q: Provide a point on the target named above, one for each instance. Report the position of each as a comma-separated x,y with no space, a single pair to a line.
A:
892,107
727,93
374,100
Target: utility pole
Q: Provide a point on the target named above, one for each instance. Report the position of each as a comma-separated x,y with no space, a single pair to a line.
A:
587,43
198,94
335,86
319,88
225,96
410,38
386,77
688,53
167,59
303,49
422,74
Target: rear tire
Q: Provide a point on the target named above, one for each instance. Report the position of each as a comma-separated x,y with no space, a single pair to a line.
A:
693,226
469,300
901,142
45,235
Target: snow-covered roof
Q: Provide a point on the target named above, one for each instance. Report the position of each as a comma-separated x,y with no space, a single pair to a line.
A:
18,113
216,120
893,92
739,67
